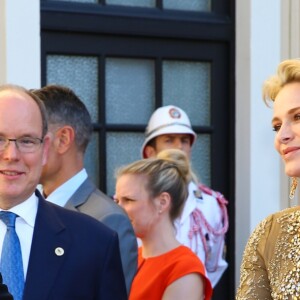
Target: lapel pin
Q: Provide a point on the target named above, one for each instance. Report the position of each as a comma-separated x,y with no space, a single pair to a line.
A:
59,251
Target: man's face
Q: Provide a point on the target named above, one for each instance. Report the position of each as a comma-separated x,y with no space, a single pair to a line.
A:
19,172
53,165
170,141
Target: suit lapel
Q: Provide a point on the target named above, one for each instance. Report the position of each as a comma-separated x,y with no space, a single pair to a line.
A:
45,258
81,194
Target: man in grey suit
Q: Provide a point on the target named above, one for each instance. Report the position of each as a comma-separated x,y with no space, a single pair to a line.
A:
64,179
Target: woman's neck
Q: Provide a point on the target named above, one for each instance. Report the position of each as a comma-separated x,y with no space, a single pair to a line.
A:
160,241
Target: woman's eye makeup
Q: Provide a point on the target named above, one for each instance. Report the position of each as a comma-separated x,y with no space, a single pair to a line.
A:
276,127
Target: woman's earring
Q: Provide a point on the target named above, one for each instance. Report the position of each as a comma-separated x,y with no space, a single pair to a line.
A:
293,187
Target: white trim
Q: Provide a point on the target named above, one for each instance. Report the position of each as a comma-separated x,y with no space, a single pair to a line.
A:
258,167
20,57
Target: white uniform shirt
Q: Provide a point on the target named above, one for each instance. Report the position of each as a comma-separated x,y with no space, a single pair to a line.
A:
26,211
210,208
63,193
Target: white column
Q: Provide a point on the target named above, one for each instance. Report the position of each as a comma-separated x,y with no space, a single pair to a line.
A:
20,59
259,186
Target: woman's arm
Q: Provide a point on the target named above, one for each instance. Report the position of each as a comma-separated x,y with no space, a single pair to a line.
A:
190,286
254,279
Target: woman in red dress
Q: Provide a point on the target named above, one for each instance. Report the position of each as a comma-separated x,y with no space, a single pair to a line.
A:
153,191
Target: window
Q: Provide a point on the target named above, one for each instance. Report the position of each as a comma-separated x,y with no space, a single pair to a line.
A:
126,58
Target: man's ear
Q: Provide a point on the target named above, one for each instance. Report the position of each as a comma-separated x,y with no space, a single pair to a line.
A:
65,137
150,151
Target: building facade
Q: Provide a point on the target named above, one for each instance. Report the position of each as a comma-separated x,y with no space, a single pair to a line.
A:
125,58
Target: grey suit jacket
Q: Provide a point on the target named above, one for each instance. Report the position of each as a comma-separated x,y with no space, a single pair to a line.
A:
91,201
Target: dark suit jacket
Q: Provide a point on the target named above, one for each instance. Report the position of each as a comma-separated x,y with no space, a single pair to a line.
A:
4,294
91,201
72,257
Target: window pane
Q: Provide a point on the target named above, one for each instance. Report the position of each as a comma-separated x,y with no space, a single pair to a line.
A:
91,159
187,85
201,158
137,3
122,149
83,1
129,90
79,73
192,5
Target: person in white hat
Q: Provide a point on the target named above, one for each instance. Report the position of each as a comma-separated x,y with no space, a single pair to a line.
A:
204,219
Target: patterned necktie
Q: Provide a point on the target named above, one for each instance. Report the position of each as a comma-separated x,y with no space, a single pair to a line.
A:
11,265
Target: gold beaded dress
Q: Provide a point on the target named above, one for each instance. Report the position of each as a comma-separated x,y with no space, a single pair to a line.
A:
270,267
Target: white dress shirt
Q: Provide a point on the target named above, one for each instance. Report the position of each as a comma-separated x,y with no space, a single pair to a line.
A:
26,211
63,193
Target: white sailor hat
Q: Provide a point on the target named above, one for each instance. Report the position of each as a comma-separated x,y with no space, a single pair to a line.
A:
168,119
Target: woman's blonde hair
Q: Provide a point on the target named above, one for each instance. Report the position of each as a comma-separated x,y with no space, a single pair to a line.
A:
288,71
169,173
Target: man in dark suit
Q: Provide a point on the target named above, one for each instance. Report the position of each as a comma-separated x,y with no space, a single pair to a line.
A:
64,179
64,254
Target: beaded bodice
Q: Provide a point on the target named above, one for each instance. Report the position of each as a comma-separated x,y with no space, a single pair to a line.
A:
271,262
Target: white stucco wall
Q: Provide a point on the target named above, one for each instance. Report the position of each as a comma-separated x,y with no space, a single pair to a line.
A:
20,42
260,186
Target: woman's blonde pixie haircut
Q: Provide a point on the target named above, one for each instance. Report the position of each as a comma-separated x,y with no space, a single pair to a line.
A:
288,71
170,173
